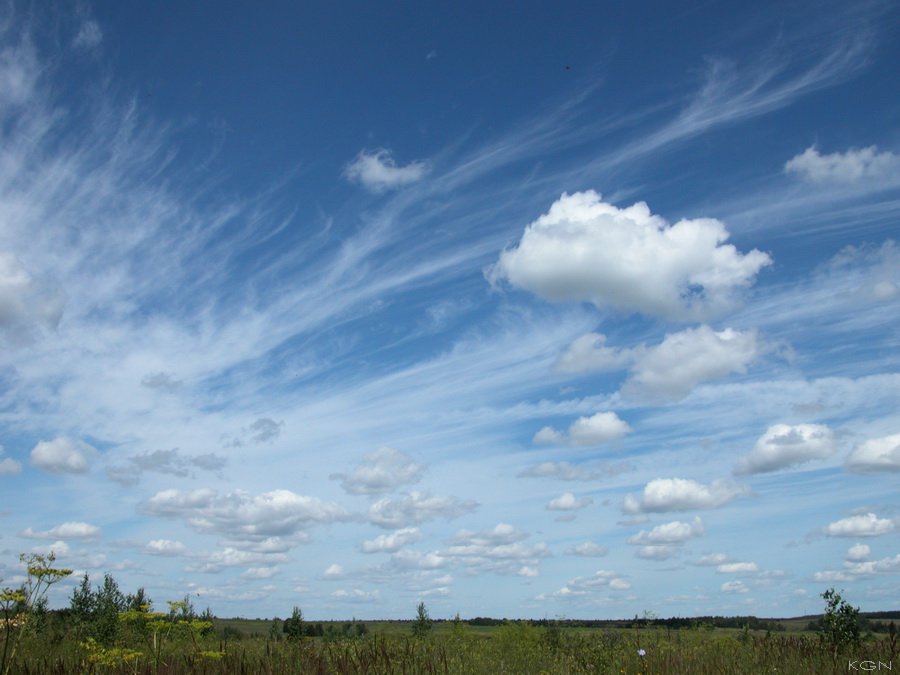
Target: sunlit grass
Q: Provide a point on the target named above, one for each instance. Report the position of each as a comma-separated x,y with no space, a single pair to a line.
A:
514,648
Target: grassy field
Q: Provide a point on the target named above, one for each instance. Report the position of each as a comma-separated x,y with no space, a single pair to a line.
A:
253,646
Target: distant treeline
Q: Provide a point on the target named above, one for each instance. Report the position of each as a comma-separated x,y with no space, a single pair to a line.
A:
876,622
751,622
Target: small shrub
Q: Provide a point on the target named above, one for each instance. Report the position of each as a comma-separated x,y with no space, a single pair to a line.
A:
840,623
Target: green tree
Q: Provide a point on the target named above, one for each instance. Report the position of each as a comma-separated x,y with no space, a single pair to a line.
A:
138,601
293,627
422,625
108,602
840,625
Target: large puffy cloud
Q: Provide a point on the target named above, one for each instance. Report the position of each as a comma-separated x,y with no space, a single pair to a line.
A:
62,455
26,307
845,167
875,455
684,360
860,525
627,259
377,171
67,530
586,431
672,368
241,516
381,471
415,508
858,552
783,445
679,494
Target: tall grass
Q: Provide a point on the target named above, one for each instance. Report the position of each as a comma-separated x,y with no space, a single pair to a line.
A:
514,648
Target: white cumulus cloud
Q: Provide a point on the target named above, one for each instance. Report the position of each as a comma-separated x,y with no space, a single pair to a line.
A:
586,431
783,445
845,167
587,548
679,494
683,360
62,455
875,455
242,516
9,466
417,507
590,352
165,547
860,525
858,552
68,530
628,260
674,367
657,552
391,543
377,171
675,532
568,502
334,571
596,583
738,568
381,471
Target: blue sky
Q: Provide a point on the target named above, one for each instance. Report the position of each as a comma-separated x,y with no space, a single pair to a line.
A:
518,309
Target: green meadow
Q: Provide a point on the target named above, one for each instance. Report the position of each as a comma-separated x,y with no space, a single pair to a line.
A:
106,631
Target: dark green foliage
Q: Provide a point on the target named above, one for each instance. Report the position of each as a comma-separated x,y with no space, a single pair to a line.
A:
182,610
94,613
841,622
138,601
422,625
231,633
294,628
106,603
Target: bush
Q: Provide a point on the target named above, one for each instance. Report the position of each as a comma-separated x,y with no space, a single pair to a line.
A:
841,622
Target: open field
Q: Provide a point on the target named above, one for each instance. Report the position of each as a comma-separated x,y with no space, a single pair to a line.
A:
254,646
104,631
